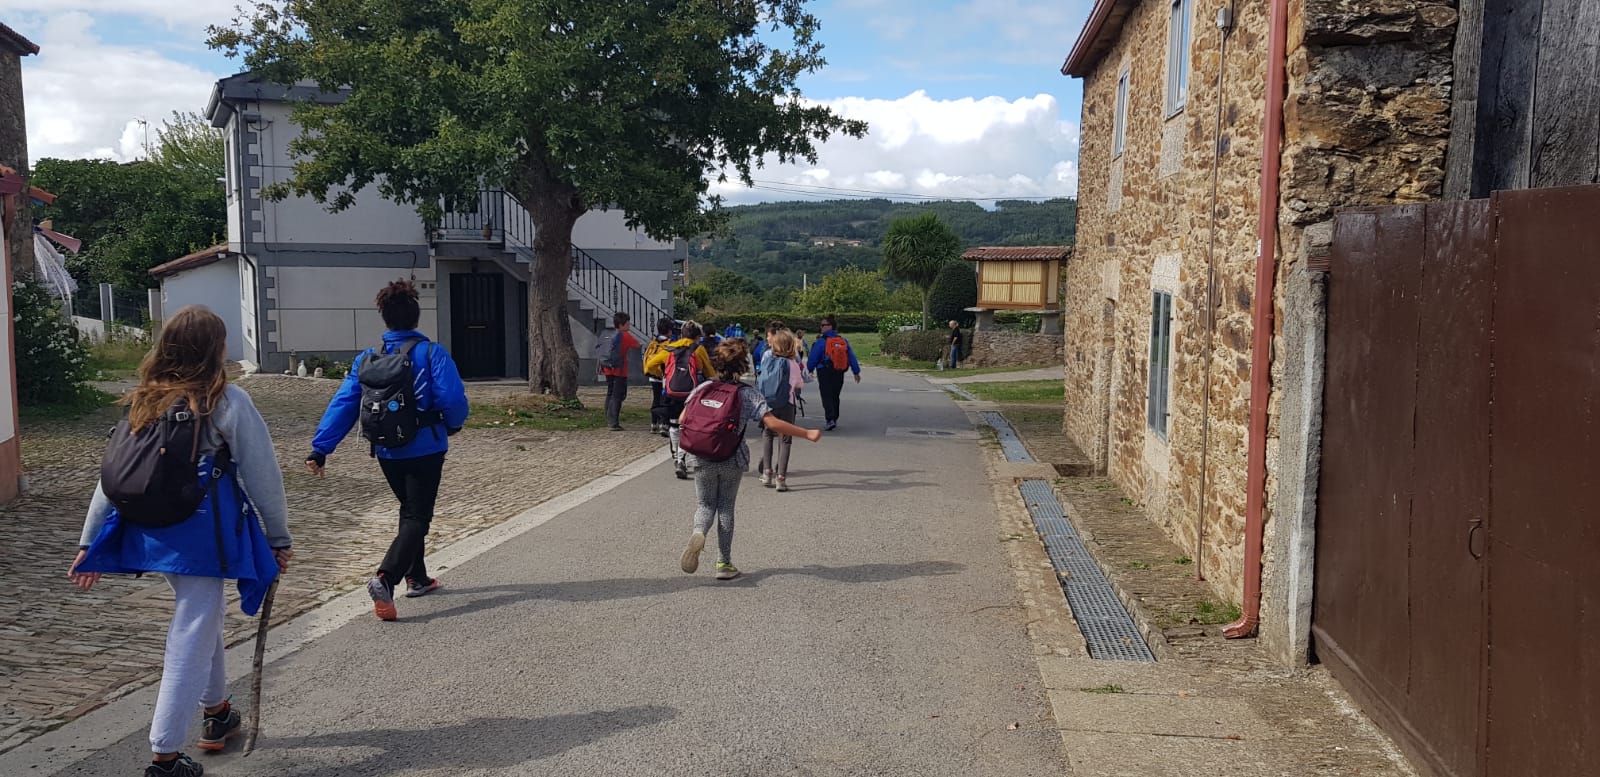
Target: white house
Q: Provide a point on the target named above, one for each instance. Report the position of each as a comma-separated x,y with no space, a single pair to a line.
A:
209,278
306,278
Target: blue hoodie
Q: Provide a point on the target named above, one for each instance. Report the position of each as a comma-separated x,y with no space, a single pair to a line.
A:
819,353
439,388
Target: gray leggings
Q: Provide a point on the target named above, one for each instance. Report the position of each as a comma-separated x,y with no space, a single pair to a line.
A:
717,486
784,442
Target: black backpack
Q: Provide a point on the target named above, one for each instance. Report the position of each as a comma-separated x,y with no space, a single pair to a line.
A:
389,413
153,477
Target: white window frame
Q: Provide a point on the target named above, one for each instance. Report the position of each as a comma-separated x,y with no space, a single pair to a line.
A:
1119,120
1158,411
1180,33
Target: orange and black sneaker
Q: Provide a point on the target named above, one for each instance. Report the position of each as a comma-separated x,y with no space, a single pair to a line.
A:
382,599
218,728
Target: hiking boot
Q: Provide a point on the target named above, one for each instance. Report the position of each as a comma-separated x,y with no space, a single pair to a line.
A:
217,729
726,571
414,590
182,766
382,599
691,555
783,484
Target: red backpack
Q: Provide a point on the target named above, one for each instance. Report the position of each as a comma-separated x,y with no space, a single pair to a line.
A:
682,374
713,422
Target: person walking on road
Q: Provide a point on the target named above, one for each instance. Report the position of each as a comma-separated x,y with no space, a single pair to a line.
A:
658,398
780,382
684,365
718,407
955,344
614,366
831,357
172,499
409,398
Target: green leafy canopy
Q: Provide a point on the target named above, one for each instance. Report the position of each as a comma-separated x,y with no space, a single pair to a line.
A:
632,104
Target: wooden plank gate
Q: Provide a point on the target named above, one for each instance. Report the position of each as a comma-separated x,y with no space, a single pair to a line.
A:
1458,535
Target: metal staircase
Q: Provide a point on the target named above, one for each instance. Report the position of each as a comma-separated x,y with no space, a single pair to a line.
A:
594,293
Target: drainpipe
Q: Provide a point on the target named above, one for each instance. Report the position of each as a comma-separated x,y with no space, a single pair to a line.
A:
1261,324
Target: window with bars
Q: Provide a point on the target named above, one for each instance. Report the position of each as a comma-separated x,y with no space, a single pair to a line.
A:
1160,361
1119,121
1178,56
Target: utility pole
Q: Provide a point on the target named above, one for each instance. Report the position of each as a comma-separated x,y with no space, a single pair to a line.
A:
146,125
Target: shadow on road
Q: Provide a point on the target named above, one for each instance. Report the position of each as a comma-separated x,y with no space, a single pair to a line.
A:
481,743
635,587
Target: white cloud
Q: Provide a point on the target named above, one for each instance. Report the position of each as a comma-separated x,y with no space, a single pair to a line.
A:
85,97
174,13
989,148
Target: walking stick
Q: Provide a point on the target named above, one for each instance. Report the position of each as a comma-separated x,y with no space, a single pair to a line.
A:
255,669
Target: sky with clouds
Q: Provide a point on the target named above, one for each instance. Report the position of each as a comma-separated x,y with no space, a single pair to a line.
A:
964,97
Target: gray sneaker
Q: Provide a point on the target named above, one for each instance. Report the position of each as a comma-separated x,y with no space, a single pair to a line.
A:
783,484
691,555
766,479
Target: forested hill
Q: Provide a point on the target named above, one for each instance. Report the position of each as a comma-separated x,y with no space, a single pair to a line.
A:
776,243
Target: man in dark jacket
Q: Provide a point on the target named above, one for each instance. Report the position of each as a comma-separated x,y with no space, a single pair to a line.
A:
955,344
414,469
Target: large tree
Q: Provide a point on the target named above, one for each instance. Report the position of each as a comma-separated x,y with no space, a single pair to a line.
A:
569,104
915,249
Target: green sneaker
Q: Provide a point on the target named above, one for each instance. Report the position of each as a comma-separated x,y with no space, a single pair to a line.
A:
691,555
726,571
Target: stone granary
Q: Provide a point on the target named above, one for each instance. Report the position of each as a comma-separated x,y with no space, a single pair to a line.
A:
1219,140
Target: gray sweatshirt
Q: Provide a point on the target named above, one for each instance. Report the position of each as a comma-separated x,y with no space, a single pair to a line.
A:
236,423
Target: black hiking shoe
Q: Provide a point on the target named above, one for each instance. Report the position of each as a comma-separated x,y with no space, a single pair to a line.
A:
216,730
182,766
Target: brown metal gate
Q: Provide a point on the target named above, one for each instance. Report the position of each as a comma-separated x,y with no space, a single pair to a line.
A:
1458,539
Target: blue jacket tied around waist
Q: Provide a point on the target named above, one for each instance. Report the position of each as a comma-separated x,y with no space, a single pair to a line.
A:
222,539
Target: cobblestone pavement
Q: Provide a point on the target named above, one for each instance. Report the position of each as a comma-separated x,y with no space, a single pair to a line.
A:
64,652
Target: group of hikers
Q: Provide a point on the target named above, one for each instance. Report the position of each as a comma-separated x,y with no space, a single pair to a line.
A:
190,485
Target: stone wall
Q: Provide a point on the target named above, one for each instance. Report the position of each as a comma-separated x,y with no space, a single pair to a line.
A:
1011,349
1146,222
14,154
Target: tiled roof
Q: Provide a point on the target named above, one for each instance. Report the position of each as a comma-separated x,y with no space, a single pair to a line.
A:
196,259
1017,253
13,40
1099,34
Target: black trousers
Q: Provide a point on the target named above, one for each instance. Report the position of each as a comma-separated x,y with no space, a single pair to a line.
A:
830,382
658,403
616,391
415,483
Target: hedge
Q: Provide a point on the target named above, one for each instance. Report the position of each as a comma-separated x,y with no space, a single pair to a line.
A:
955,290
754,322
917,345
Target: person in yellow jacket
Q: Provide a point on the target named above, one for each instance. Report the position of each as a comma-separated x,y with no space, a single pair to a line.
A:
656,364
659,423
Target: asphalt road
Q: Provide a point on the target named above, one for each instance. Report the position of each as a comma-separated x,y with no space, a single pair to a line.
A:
875,632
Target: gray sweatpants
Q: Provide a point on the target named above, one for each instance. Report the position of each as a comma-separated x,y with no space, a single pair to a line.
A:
716,484
194,674
784,443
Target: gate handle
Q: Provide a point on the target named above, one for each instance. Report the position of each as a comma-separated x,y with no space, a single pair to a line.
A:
1472,534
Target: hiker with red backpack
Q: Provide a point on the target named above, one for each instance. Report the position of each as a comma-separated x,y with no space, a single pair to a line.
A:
684,365
172,499
409,399
831,357
713,426
614,366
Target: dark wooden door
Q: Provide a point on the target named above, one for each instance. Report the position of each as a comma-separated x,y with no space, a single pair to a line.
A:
477,324
1457,593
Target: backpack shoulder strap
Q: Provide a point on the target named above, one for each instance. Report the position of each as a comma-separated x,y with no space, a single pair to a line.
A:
408,346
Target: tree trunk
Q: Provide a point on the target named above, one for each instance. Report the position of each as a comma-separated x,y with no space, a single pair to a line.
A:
927,295
555,207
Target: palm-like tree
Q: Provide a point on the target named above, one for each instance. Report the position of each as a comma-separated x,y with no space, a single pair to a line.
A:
915,248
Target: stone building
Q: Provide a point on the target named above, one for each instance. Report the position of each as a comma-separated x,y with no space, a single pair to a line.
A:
1215,154
14,141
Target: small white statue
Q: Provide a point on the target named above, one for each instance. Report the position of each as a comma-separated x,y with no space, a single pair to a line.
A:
302,370
317,373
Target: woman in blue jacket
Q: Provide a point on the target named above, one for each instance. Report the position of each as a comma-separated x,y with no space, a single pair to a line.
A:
414,469
221,540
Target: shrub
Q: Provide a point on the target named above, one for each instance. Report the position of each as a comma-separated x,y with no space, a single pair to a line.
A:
955,290
848,322
331,368
892,322
916,345
52,365
1017,322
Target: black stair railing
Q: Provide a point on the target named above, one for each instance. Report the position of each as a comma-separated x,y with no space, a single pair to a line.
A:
498,218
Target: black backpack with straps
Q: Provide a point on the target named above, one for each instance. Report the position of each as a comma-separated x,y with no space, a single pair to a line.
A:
153,477
389,413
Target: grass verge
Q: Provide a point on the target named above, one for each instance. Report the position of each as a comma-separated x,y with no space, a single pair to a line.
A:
1018,391
86,401
544,413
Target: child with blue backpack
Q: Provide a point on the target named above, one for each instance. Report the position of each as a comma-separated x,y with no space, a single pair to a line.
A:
780,381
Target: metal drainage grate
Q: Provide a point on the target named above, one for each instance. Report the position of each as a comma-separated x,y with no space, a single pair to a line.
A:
1107,628
1009,441
959,392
